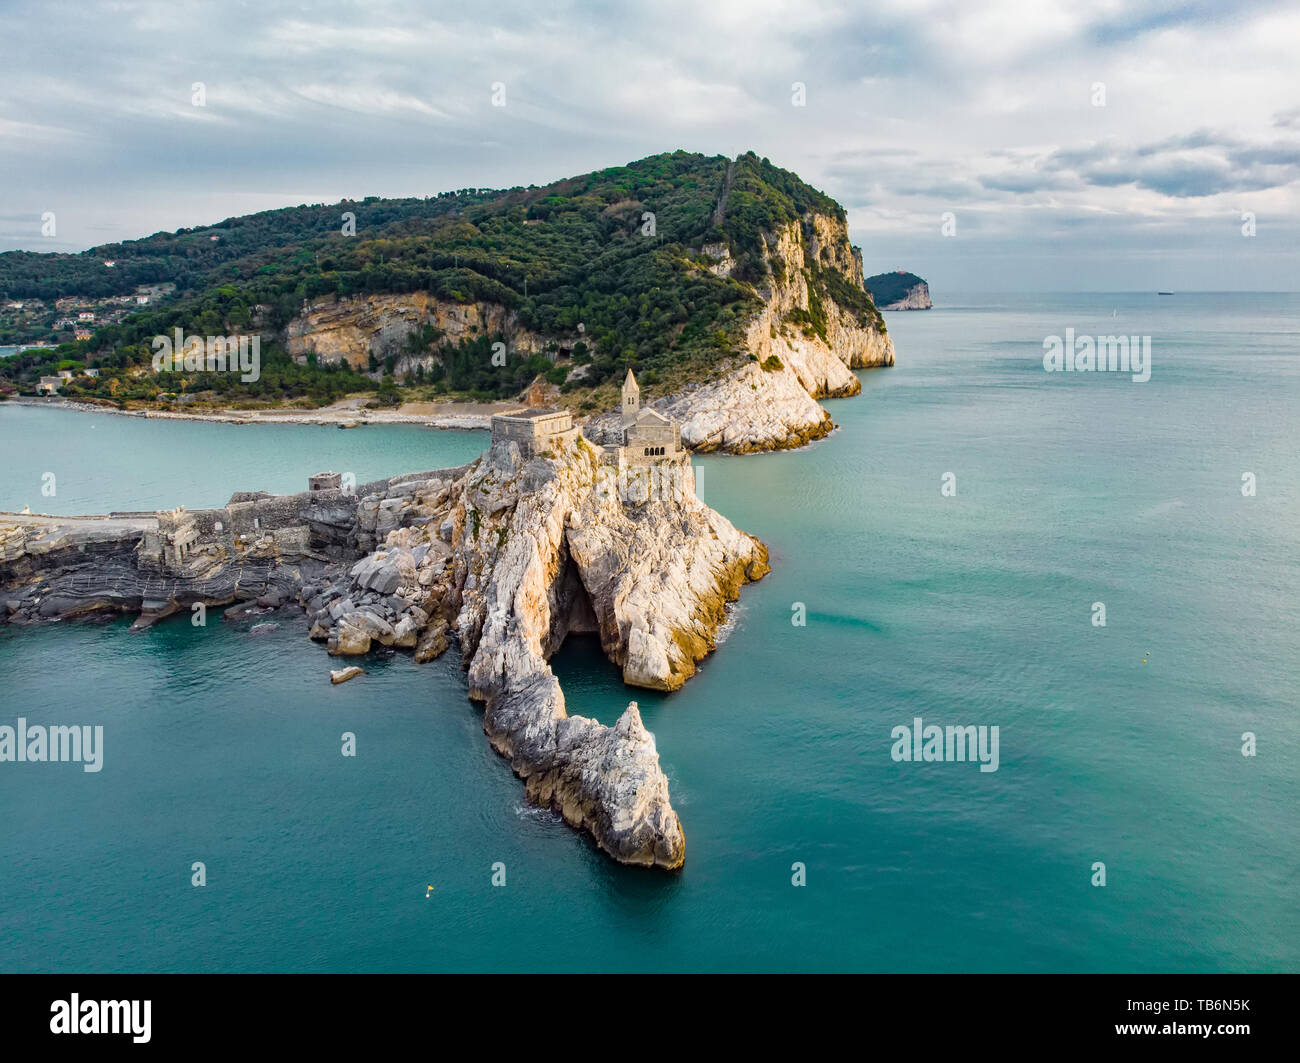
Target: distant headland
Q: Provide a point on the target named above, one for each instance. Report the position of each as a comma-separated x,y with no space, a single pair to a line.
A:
899,291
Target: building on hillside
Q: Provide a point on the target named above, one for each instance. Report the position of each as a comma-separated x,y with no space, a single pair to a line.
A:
533,431
49,385
647,434
648,460
631,399
91,372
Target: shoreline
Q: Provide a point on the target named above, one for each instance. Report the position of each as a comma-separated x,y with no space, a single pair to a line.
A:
468,418
464,416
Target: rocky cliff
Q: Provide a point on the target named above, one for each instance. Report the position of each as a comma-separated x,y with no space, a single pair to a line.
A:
353,328
507,556
808,321
802,345
512,556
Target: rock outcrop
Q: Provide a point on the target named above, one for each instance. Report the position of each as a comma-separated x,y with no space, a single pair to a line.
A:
353,328
751,408
512,556
802,346
917,298
506,555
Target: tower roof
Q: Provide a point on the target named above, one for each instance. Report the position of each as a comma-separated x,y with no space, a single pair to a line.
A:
630,380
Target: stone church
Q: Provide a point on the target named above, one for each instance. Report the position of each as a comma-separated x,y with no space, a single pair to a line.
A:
647,434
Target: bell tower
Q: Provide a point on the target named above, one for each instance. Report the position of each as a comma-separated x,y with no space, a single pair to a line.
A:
631,399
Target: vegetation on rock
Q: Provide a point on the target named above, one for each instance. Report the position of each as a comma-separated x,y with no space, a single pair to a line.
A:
612,268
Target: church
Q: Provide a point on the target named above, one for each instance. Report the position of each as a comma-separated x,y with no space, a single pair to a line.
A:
647,434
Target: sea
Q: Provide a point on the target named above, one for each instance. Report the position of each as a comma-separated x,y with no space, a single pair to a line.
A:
940,557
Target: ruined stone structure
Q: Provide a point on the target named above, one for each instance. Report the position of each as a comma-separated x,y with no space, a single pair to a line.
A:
533,430
169,548
325,481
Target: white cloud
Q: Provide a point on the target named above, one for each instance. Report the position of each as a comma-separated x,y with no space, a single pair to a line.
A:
914,106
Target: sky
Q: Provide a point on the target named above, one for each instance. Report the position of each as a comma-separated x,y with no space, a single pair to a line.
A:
1085,145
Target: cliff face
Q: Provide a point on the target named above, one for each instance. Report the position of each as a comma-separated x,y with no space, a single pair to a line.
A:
899,290
802,346
514,556
549,547
917,298
509,555
352,328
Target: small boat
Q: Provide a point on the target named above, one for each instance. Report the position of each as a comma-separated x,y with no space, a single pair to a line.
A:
1164,293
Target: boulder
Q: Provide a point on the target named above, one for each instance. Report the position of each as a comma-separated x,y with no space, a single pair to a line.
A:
349,641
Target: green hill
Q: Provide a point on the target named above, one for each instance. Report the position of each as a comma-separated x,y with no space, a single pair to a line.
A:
620,251
889,288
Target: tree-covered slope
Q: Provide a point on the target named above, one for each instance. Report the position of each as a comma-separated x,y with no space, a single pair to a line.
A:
618,251
889,288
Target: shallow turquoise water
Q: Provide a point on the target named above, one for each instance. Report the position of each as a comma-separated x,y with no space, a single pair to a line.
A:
1118,744
107,461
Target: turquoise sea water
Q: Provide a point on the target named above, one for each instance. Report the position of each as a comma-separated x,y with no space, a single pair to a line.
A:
105,461
1119,744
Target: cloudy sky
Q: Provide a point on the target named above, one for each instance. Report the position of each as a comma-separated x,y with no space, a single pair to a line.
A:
987,110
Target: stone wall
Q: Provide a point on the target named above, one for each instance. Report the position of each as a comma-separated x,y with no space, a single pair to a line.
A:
532,434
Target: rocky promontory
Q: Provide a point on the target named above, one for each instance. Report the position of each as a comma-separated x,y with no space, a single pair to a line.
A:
505,557
899,291
801,346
